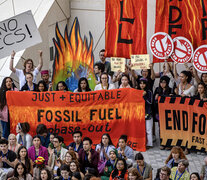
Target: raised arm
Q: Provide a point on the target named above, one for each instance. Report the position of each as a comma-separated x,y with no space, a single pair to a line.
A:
39,67
11,67
195,74
175,71
151,65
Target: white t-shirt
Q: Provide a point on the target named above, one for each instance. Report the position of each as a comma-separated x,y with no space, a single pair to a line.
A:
99,87
22,80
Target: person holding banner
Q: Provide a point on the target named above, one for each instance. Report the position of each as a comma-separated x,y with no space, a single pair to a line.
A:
104,83
61,86
201,92
124,82
147,95
162,90
28,68
83,85
7,85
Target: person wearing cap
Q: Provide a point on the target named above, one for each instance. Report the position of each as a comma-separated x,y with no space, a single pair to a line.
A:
110,164
57,154
45,78
7,158
125,151
147,95
39,165
180,172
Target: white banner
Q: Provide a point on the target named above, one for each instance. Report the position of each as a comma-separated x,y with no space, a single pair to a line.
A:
18,33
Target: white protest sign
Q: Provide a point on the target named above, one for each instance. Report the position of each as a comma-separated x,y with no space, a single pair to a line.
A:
17,33
117,64
140,61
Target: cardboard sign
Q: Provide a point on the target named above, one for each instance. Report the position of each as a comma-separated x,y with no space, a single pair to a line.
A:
141,61
200,59
161,45
117,64
117,112
183,50
18,33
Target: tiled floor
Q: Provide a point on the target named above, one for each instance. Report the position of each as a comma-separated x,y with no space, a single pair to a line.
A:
157,157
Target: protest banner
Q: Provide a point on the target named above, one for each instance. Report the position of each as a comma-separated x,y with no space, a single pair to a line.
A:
140,61
182,18
115,112
18,33
183,122
161,45
125,28
200,59
117,64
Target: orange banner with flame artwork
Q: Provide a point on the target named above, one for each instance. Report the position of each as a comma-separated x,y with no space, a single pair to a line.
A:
187,18
94,113
126,28
183,122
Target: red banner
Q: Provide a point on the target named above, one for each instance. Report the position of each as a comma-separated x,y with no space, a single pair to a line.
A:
115,112
126,28
183,122
187,18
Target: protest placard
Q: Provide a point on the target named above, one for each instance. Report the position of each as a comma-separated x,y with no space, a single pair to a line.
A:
140,61
117,64
17,33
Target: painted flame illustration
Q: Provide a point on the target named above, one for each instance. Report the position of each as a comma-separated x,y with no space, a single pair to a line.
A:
73,58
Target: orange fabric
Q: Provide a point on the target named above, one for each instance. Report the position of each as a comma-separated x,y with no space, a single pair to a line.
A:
125,176
126,20
186,18
117,112
183,123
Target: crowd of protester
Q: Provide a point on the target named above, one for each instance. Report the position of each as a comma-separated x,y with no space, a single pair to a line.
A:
45,156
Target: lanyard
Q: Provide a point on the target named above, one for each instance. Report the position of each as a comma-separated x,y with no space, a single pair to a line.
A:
22,143
179,176
142,173
106,153
3,155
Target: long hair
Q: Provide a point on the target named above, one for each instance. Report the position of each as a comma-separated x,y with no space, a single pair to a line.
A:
205,89
202,77
43,83
176,150
27,160
64,84
188,75
116,171
108,136
73,155
48,174
87,85
167,88
15,170
3,91
145,81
